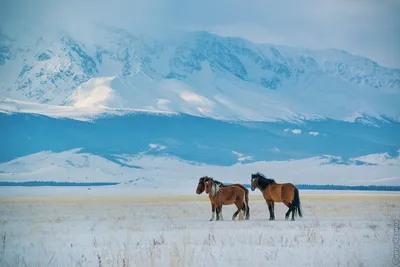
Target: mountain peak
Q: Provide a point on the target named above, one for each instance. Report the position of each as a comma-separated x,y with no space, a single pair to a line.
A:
230,77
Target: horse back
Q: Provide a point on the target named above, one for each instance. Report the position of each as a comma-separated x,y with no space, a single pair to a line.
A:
243,187
287,190
288,186
237,190
228,195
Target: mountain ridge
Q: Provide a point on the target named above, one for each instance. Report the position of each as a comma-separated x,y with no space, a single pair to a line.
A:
202,74
146,170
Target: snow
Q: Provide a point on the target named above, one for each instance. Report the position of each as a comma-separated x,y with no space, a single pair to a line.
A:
336,230
95,92
380,159
148,171
153,216
80,112
185,73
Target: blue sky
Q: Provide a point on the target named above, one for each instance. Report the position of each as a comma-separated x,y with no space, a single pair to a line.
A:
363,27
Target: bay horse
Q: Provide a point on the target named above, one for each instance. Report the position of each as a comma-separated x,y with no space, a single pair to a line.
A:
286,193
201,188
226,195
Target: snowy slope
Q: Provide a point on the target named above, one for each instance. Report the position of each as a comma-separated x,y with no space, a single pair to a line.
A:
144,170
188,137
380,159
89,111
196,73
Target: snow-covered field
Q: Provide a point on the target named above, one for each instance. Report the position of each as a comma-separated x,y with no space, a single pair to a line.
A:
341,229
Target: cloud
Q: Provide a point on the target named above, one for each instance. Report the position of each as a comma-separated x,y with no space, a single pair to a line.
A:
294,131
242,157
313,133
156,147
368,28
364,27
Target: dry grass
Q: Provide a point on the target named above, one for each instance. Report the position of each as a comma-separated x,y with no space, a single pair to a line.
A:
194,198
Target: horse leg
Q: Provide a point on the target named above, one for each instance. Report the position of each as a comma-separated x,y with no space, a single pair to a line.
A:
213,211
273,210
247,206
239,205
247,211
270,204
218,209
293,207
220,213
235,215
290,206
236,212
244,210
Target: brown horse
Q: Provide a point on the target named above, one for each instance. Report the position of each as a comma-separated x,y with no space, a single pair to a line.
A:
274,192
226,195
201,187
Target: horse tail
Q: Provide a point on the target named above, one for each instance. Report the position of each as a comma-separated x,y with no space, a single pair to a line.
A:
244,209
246,200
296,202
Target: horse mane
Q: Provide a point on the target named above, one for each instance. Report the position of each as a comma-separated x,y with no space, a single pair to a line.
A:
263,181
206,178
218,182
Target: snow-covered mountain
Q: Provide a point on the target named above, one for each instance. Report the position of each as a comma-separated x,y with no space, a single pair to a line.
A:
195,73
183,97
154,171
195,138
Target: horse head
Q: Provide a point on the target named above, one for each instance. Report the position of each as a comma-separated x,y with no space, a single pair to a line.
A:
254,181
261,181
208,182
200,186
